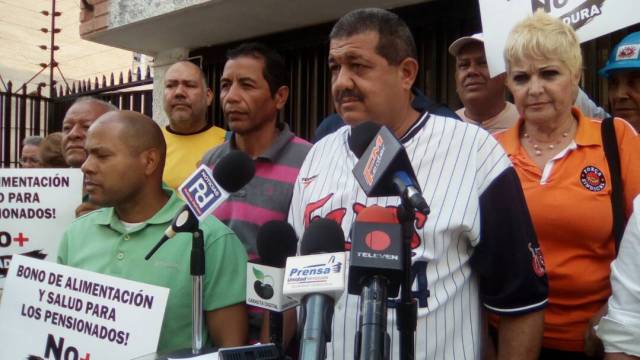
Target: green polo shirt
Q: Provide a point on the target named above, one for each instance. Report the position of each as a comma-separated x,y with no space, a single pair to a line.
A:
99,242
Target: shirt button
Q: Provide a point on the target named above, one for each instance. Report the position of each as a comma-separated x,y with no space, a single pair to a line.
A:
126,237
120,255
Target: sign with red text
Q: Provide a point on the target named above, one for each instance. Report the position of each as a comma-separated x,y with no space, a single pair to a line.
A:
589,18
36,206
52,311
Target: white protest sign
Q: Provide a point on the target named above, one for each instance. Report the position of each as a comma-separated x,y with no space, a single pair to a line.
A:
36,206
52,311
590,19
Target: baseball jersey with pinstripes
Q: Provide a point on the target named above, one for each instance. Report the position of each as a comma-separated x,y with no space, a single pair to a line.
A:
477,247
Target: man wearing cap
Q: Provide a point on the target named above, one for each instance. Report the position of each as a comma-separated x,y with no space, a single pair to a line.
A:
623,74
481,95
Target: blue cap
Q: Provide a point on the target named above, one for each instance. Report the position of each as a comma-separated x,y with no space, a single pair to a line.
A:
624,56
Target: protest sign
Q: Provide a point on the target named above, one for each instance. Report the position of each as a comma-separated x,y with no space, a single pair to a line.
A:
52,311
589,18
36,206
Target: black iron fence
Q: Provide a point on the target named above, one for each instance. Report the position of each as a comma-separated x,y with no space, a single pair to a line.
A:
24,114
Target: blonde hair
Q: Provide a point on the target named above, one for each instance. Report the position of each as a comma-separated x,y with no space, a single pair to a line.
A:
543,37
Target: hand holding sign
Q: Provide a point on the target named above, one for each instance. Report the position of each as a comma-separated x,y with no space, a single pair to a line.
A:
36,205
63,310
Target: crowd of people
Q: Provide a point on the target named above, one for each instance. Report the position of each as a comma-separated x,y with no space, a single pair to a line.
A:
522,256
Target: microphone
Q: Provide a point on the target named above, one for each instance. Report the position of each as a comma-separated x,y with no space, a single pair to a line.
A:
318,277
375,273
276,241
383,168
361,136
205,190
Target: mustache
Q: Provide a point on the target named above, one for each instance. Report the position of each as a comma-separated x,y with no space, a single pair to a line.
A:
342,94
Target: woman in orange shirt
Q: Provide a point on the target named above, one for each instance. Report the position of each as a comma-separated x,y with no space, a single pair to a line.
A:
558,155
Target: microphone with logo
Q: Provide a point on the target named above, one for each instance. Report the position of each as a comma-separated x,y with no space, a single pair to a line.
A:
205,190
276,241
318,277
383,168
375,273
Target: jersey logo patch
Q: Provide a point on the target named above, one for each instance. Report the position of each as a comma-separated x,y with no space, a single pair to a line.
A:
592,179
335,215
421,219
537,260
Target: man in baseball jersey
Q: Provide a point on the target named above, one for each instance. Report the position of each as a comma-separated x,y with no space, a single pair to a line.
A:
476,249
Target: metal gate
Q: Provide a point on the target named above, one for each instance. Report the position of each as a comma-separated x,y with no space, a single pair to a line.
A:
24,114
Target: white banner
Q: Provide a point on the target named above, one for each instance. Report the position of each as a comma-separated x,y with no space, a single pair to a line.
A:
36,206
590,19
52,311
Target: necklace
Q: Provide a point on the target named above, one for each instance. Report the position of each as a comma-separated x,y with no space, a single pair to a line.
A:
537,149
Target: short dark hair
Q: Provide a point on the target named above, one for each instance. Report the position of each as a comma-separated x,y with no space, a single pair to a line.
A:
395,41
274,70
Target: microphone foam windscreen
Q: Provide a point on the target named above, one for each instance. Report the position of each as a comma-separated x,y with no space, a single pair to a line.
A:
322,236
234,171
276,241
378,214
361,136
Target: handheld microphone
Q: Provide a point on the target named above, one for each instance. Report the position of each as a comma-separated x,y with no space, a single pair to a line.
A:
383,168
317,276
375,273
205,190
276,241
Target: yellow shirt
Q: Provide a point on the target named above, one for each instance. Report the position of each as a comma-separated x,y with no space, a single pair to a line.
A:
184,152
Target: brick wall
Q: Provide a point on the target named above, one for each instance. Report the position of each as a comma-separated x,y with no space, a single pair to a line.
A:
96,19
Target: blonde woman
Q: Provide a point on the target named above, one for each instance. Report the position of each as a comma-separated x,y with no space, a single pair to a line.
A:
559,158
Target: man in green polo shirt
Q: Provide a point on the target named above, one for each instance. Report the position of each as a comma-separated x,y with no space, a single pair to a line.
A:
123,173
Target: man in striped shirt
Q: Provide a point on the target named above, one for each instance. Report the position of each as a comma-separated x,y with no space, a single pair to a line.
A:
476,248
252,91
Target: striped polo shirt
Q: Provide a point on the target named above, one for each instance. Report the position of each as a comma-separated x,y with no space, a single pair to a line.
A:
268,195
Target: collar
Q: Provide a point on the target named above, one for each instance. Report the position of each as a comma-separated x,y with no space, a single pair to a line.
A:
587,133
207,127
415,128
421,104
271,154
108,216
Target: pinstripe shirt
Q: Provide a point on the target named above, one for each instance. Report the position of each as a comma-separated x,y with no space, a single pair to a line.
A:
477,247
268,195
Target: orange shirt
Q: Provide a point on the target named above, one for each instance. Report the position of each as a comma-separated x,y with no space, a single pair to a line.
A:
570,205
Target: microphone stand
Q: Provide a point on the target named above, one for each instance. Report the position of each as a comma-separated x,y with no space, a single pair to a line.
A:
372,340
275,331
197,273
407,310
